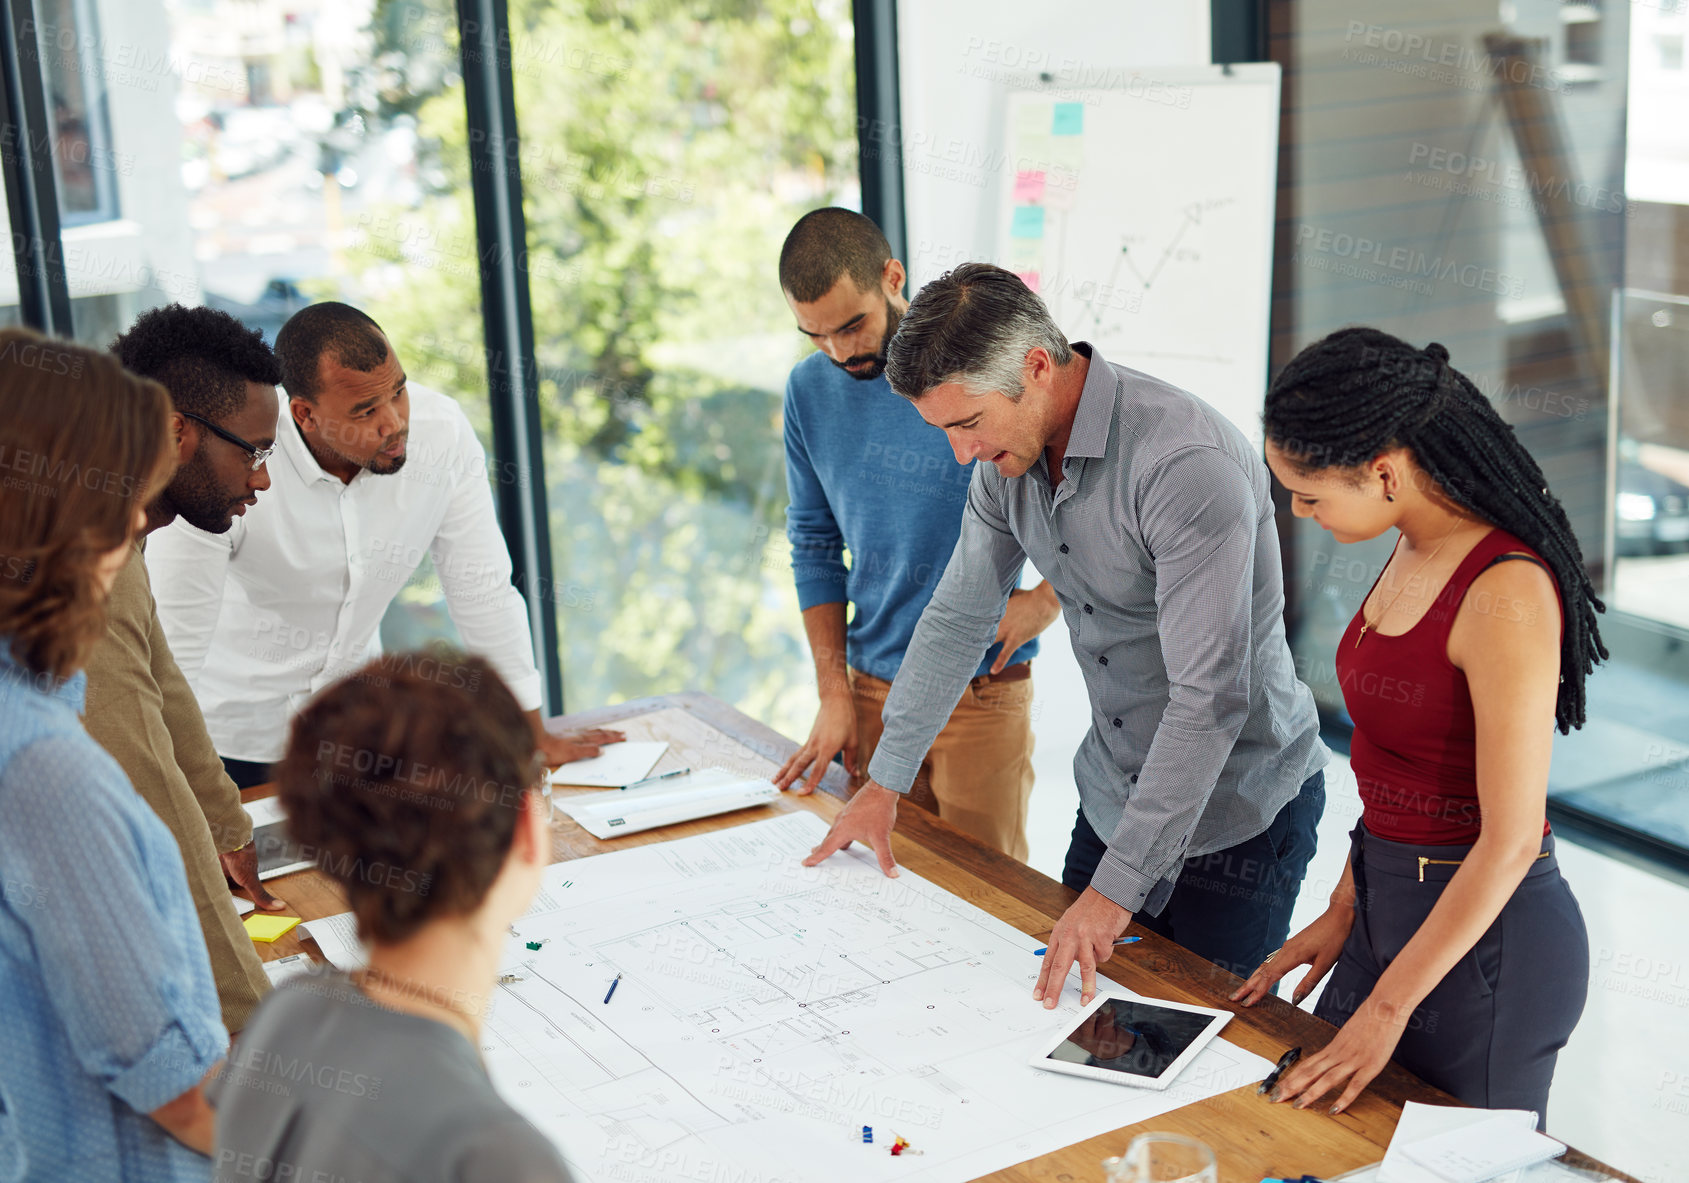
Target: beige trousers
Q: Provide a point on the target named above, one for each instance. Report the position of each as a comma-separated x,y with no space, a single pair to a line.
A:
978,774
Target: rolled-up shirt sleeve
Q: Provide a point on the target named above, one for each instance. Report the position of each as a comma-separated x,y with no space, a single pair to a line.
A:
473,562
131,983
958,626
818,566
1199,522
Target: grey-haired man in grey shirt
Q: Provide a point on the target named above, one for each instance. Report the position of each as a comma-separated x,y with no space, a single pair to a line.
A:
1151,517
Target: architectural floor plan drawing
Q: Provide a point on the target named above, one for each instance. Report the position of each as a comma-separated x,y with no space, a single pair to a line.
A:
766,1012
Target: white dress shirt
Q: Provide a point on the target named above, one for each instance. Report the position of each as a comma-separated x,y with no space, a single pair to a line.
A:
292,597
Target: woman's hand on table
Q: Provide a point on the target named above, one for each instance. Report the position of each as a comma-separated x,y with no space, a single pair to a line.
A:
1349,1062
1317,946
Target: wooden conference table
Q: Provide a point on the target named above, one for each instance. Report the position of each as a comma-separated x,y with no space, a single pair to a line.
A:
1252,1138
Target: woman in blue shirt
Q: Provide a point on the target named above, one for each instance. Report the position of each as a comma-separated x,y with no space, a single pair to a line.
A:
109,1020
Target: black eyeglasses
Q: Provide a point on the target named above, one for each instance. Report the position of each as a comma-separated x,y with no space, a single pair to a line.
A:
259,455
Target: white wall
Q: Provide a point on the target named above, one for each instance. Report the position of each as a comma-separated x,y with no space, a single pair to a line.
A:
958,59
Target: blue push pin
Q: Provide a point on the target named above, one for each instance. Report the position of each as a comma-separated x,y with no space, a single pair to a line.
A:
867,1133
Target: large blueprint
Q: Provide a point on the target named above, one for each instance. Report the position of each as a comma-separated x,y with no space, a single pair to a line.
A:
767,1012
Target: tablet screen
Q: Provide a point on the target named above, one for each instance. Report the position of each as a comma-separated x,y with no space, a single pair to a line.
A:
1137,1038
277,853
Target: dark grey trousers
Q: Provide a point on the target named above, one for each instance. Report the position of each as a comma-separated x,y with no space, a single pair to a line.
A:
1491,1029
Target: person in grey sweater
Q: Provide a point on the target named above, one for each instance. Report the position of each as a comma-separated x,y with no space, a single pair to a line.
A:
413,781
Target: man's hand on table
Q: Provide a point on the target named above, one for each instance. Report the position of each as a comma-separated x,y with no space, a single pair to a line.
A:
1085,934
566,749
1029,613
867,817
834,732
241,866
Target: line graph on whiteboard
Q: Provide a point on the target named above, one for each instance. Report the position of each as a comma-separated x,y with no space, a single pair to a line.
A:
1140,262
1147,229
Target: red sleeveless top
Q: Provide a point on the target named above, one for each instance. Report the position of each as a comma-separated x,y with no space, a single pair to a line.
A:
1414,749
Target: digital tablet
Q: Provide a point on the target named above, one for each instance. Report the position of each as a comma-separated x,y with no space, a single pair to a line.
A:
277,854
1128,1040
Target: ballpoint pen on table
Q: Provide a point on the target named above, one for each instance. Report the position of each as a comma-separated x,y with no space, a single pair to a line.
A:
651,780
612,988
1284,1062
1121,941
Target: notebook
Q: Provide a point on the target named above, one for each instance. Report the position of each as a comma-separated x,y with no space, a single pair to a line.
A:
1420,1122
1483,1150
616,765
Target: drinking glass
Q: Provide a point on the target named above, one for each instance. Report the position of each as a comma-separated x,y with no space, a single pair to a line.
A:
1162,1158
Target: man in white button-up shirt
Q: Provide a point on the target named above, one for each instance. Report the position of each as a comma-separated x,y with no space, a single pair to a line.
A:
370,473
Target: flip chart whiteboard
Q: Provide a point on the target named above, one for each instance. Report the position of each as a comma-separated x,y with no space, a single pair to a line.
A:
1142,213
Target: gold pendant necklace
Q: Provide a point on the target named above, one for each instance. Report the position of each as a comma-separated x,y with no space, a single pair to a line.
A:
1367,624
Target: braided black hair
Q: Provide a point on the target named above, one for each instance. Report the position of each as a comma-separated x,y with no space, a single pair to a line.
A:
1359,392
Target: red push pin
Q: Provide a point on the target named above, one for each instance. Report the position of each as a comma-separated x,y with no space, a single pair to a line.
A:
901,1146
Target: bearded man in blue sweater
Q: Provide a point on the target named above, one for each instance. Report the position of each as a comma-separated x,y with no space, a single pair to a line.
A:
867,475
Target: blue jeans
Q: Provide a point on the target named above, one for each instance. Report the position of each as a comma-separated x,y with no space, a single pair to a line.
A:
1232,906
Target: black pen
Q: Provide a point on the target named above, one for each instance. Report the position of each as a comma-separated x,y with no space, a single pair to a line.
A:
1284,1061
612,988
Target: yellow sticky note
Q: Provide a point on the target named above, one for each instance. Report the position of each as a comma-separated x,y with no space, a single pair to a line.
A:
261,927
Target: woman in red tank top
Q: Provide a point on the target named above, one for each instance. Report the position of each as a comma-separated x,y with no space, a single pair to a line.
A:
1453,942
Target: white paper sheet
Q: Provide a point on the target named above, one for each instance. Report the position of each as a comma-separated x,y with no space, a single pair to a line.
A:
283,968
337,937
1543,1172
616,765
768,1011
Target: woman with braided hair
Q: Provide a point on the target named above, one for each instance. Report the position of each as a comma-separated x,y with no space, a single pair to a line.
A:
1453,942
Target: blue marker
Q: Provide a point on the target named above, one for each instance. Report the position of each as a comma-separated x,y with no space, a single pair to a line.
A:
1121,941
612,988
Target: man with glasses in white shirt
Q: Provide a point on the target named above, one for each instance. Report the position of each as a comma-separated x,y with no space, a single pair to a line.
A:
370,474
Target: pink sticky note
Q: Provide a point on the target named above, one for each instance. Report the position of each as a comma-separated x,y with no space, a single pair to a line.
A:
1062,191
1029,187
1029,278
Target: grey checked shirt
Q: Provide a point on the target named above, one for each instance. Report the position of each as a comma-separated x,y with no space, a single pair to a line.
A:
1161,545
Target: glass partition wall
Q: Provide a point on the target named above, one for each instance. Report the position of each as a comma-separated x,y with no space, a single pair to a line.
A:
1511,181
247,155
256,155
668,151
